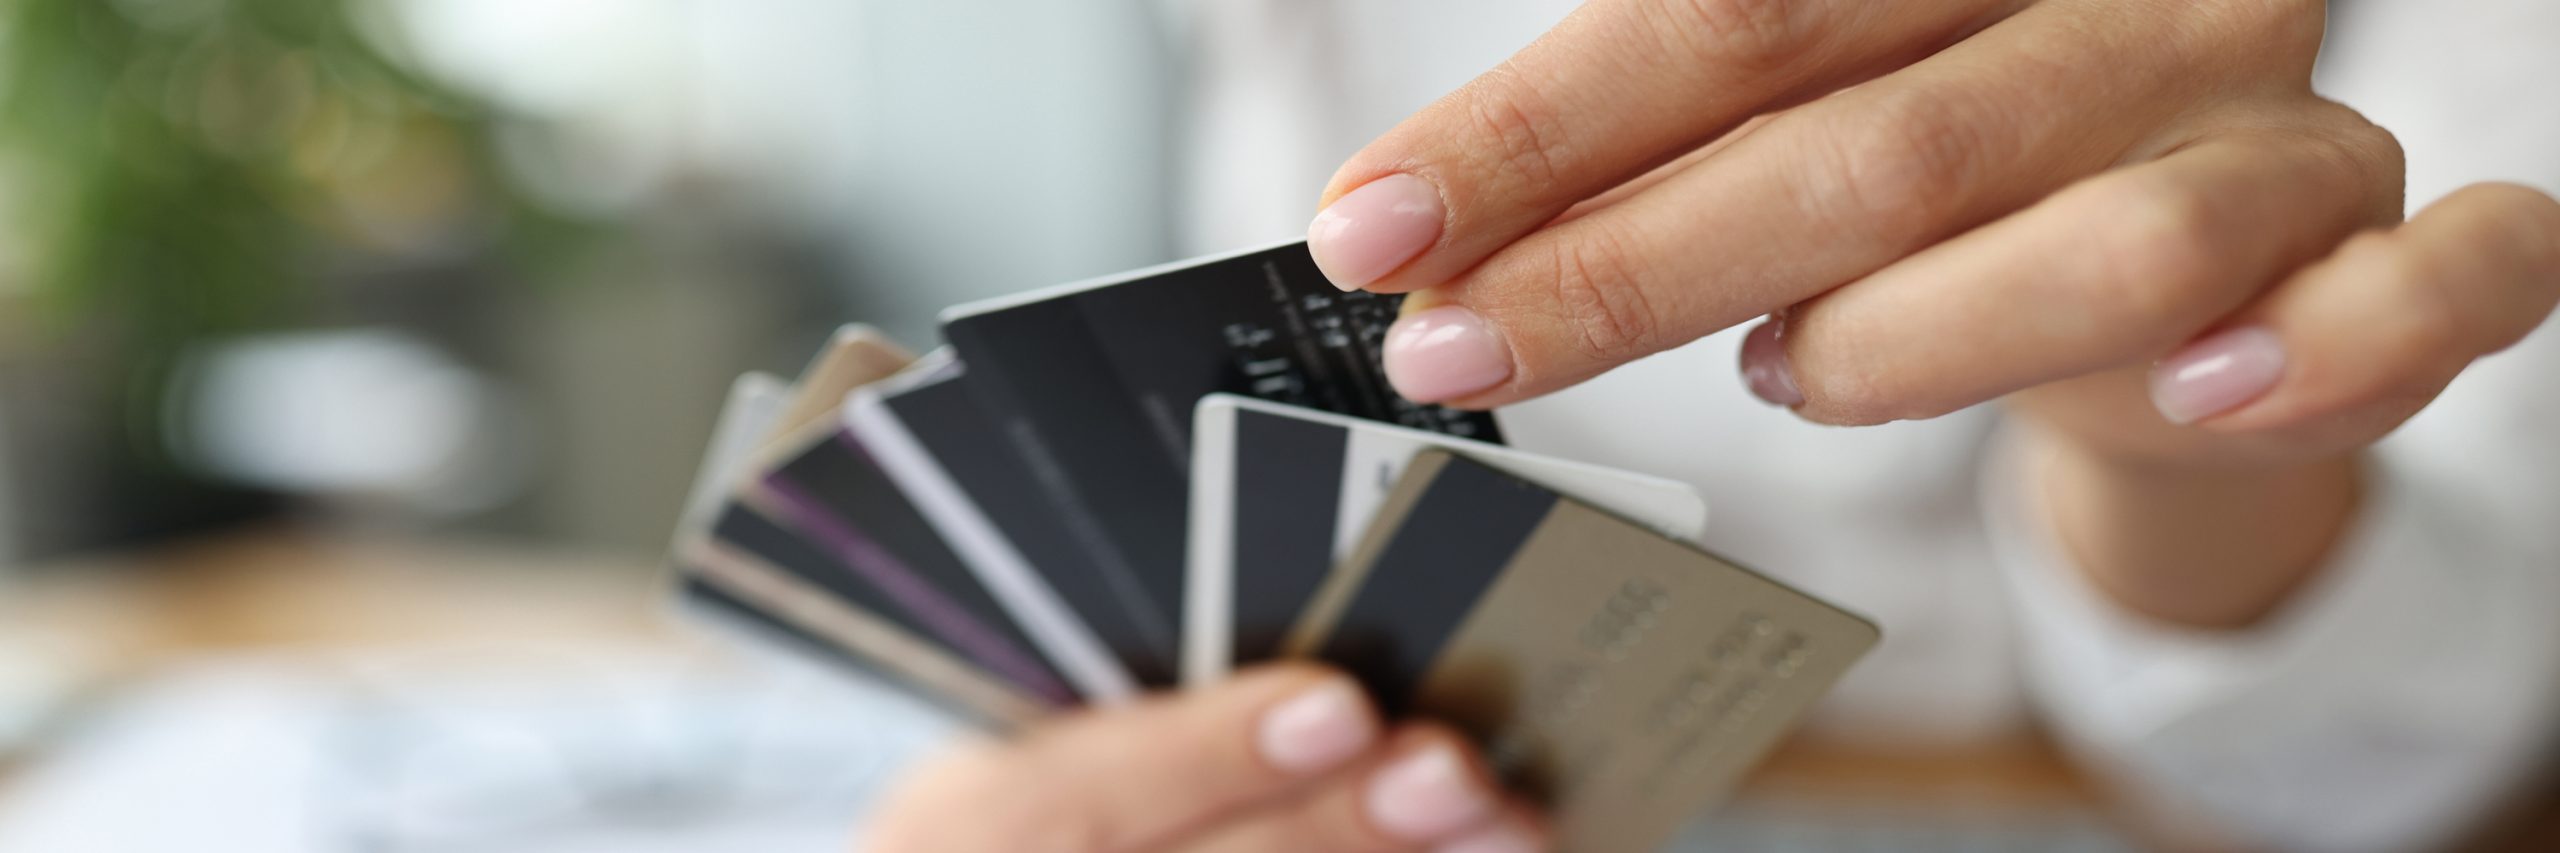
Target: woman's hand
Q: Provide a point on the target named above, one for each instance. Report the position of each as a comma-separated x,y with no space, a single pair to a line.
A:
1283,758
2136,211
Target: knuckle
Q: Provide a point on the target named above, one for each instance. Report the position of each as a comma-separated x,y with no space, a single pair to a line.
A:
1904,162
2162,251
2373,142
1754,35
1598,293
2363,152
2423,331
1523,137
2425,322
2280,34
2379,151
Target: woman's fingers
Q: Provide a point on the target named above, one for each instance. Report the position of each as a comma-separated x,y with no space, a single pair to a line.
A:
1824,194
1619,87
1136,777
2118,269
1283,758
1426,791
2376,330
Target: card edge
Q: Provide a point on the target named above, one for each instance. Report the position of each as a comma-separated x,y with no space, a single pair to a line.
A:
1019,589
1209,576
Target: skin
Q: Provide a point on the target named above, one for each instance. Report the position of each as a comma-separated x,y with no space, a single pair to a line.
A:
1177,773
1948,203
1953,203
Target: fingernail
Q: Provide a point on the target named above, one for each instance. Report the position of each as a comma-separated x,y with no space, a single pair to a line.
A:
1427,795
1445,353
1370,231
2217,374
1504,838
1764,365
1317,729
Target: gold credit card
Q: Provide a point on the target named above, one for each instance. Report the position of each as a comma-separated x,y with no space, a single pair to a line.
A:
856,356
1625,679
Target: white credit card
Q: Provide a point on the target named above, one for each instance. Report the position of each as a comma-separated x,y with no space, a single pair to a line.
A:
1279,494
756,402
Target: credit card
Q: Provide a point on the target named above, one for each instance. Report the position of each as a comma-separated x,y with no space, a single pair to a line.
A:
855,356
721,574
741,593
1625,679
1094,383
775,595
827,490
762,410
1280,494
934,441
755,403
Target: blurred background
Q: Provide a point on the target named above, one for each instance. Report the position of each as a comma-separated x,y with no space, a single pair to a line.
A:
486,266
355,356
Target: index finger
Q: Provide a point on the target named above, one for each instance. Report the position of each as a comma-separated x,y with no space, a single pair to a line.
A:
1619,87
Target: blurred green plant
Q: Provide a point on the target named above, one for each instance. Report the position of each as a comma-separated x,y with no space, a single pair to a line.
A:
177,171
184,168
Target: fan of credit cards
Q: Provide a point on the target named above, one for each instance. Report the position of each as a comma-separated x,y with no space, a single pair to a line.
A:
1147,481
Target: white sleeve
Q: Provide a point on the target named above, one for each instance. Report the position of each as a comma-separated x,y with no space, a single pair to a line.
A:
2396,698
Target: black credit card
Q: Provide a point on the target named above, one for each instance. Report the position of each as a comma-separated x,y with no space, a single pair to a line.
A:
1094,384
870,547
947,423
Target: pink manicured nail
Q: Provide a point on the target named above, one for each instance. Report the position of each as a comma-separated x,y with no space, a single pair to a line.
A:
1764,365
1503,838
1317,729
1427,795
2217,374
1370,231
1445,353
